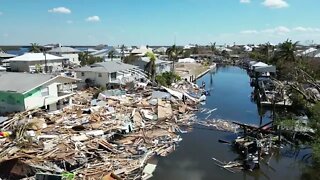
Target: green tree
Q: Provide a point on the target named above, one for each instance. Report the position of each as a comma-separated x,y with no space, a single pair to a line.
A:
315,119
35,48
123,48
167,78
151,66
38,68
225,54
129,59
213,47
173,53
86,59
111,54
287,51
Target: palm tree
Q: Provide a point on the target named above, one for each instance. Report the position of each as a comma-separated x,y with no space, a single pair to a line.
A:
287,51
173,52
83,58
225,54
35,48
213,47
122,52
111,54
151,66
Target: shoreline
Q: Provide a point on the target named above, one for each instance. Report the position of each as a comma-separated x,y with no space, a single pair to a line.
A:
214,66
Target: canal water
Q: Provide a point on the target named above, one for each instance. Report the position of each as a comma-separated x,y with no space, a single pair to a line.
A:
230,94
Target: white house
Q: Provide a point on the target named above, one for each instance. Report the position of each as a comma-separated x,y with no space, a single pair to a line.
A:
108,73
161,50
25,91
104,53
161,66
32,62
142,51
70,53
3,57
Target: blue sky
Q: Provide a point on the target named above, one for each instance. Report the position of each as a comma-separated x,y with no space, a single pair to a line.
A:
157,22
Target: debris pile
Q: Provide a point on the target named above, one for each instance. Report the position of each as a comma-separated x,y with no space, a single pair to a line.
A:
252,145
220,125
111,136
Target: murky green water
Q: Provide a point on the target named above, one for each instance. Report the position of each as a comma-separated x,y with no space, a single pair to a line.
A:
192,160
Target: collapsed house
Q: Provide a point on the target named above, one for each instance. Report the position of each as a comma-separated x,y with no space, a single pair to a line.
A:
113,135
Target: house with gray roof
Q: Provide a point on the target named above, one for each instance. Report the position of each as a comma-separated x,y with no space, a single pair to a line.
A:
161,66
3,57
107,74
25,91
36,62
67,52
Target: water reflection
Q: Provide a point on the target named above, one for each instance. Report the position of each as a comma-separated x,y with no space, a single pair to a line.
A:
231,95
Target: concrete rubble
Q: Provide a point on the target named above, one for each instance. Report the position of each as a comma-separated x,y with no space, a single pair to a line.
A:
109,137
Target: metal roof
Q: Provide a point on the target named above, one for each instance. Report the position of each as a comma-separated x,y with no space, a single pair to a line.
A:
21,82
6,55
64,50
35,57
110,66
158,61
24,82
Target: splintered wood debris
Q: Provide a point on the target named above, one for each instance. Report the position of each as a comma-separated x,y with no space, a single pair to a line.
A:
110,138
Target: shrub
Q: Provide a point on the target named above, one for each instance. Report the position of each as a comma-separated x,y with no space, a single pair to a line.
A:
167,78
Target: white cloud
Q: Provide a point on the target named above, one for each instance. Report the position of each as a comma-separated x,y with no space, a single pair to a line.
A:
61,10
277,30
306,29
275,3
5,35
280,30
245,1
93,19
249,32
69,22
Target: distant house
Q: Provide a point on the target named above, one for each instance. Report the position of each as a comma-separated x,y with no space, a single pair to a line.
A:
90,50
104,53
142,51
107,74
70,53
161,50
161,66
32,62
3,57
25,91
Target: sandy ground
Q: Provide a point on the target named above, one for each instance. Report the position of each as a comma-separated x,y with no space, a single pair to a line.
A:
185,70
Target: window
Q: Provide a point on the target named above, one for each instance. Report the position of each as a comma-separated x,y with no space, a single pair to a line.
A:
82,73
100,75
113,76
45,92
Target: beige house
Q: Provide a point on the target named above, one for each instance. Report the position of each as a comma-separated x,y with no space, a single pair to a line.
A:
108,73
67,52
